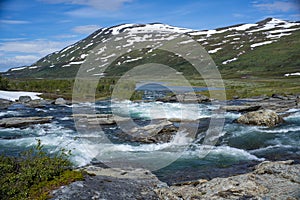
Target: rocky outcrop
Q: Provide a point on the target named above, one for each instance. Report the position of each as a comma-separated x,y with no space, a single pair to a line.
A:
261,118
241,108
186,98
277,103
269,180
18,122
160,131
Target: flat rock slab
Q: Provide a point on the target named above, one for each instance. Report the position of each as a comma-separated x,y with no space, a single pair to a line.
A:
243,108
17,122
99,119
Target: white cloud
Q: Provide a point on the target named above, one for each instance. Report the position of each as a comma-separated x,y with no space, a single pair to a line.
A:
282,6
42,47
19,53
88,29
97,4
16,61
14,21
64,36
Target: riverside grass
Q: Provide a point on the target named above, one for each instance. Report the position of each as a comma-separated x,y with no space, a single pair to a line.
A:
243,86
34,174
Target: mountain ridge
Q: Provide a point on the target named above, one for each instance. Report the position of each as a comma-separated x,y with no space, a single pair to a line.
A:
228,46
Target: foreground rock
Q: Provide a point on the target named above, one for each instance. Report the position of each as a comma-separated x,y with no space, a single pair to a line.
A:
160,131
269,180
18,122
112,183
261,118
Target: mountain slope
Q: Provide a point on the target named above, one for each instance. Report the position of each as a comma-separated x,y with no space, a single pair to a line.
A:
270,46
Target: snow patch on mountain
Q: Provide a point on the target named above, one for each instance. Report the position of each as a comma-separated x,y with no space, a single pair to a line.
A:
293,74
261,43
229,61
214,50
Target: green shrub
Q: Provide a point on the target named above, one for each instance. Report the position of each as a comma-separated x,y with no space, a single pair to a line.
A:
3,83
34,174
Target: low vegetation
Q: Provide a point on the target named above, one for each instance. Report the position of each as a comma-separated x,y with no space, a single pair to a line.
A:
34,173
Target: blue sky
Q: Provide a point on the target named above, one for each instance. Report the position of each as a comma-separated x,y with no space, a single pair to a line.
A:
31,29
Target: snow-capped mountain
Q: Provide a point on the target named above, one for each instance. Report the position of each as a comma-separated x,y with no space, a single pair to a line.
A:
266,44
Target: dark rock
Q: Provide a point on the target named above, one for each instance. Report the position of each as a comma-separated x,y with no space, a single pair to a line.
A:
261,118
243,108
17,122
24,99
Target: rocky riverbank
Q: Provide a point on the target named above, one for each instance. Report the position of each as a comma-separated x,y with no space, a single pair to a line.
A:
240,180
268,180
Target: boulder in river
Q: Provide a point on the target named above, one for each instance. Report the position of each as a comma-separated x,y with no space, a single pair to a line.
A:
60,101
261,118
24,99
18,122
157,132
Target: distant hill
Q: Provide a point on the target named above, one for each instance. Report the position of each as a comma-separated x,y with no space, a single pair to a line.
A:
270,47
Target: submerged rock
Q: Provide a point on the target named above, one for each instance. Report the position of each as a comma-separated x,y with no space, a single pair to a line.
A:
261,118
17,122
269,180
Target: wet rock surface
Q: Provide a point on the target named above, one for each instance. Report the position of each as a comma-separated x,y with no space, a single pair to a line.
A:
261,118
